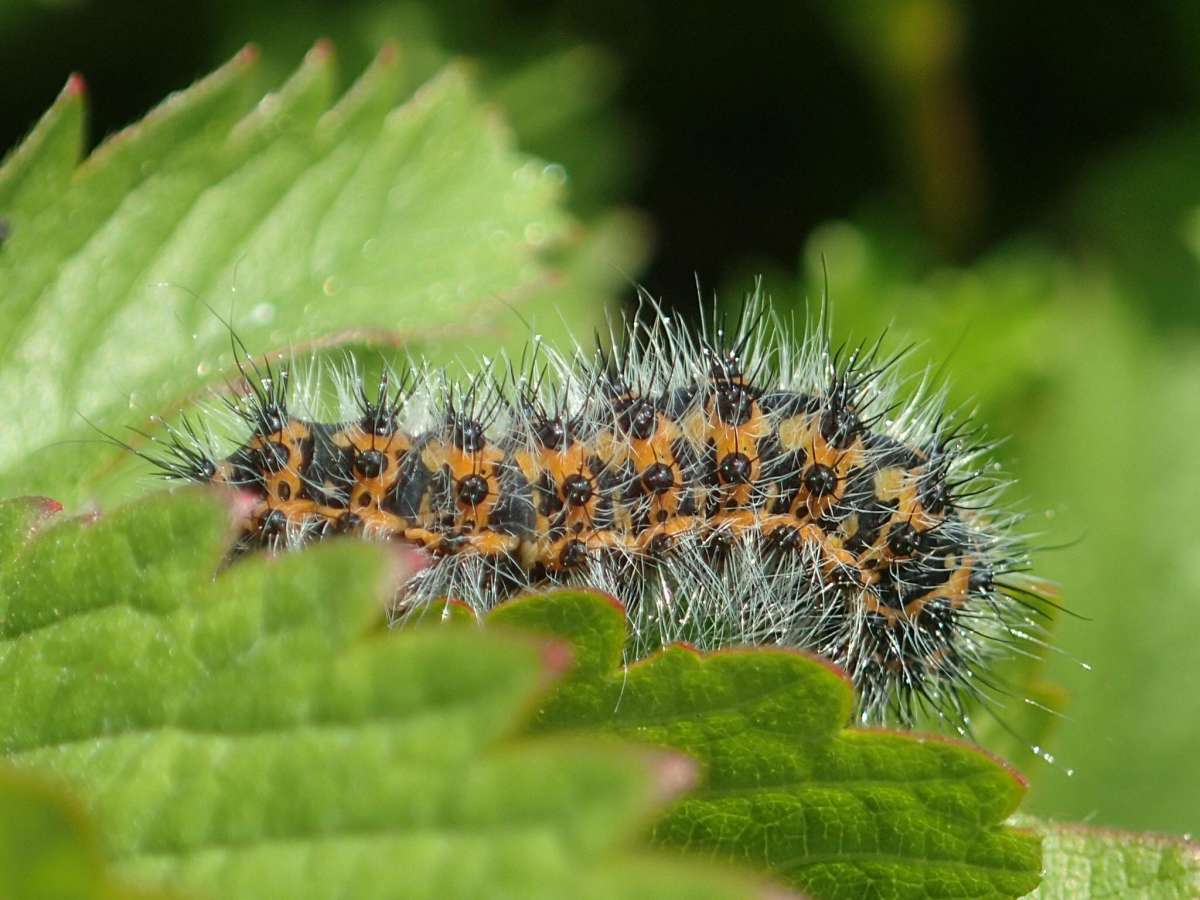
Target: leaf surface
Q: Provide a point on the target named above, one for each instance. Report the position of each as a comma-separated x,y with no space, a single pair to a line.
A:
834,811
260,729
299,216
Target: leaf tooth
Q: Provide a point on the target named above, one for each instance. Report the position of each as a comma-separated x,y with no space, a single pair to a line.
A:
41,165
296,107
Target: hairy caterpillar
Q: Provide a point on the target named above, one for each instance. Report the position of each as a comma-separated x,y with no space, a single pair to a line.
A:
740,485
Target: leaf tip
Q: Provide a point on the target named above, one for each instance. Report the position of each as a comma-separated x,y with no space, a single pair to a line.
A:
76,86
404,562
607,598
557,659
323,51
674,774
389,54
240,506
33,512
48,506
248,55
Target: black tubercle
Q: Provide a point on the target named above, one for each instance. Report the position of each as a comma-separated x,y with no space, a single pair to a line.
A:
274,524
820,480
552,433
932,488
904,539
273,457
840,425
472,490
466,434
734,402
735,469
264,408
181,456
577,489
370,463
378,415
636,417
348,523
658,478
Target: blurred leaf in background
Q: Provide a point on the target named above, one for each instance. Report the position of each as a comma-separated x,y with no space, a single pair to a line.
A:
49,848
1097,862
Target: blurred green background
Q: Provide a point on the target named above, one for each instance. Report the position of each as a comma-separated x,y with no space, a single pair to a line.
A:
1014,185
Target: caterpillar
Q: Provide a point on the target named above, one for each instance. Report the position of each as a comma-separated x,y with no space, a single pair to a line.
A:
740,483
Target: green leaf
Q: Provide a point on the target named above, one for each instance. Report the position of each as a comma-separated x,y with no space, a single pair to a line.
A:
259,732
299,216
838,813
49,849
1096,862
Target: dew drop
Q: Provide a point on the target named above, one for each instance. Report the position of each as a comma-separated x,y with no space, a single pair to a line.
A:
263,312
